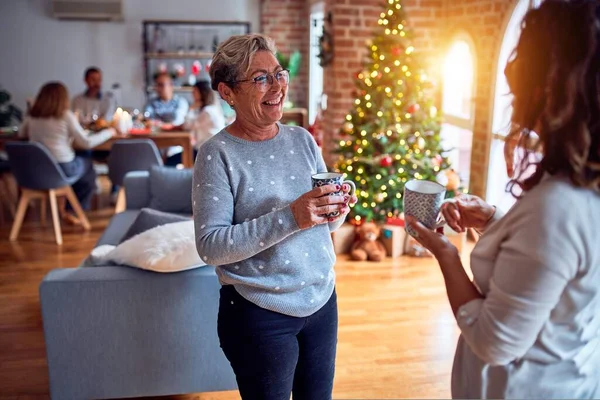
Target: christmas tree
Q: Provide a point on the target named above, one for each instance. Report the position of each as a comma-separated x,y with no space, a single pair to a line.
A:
392,134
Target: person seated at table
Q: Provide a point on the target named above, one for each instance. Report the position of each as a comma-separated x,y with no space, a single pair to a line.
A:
94,103
95,109
204,119
51,123
166,107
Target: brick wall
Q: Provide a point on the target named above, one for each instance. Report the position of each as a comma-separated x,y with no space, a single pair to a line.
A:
433,22
354,22
286,21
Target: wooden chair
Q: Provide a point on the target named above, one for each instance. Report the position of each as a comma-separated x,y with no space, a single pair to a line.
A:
40,177
6,194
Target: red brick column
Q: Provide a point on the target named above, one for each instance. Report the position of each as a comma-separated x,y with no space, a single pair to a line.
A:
287,22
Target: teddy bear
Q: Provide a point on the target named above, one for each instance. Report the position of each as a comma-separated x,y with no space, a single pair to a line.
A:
450,179
367,245
453,180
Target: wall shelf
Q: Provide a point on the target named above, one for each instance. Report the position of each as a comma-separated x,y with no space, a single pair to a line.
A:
183,89
178,56
184,50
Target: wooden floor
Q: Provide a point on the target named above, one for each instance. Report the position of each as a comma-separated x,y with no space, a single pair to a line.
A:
396,336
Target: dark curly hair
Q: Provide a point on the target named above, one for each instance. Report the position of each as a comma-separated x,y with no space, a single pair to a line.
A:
554,76
207,96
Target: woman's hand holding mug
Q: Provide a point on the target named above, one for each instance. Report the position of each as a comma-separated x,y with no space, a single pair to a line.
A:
328,201
467,211
313,207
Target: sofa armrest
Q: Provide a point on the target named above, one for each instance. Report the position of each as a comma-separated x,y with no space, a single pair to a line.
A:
137,189
115,332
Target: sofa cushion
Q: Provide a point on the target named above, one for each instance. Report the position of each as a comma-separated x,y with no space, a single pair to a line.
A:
165,248
117,227
171,190
148,219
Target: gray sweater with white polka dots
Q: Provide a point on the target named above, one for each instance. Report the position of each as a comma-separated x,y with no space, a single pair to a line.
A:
244,225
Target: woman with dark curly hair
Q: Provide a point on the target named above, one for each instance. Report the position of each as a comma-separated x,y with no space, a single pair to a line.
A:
530,321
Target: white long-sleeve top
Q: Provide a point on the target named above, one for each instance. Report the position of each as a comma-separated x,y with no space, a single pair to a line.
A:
59,134
104,105
536,334
205,123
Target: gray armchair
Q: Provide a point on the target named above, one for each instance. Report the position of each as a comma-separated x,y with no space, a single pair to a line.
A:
130,155
116,332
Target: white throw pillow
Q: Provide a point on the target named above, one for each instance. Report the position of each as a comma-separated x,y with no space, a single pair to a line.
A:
165,248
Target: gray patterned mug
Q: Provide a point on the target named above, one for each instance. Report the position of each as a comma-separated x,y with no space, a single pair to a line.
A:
423,200
332,178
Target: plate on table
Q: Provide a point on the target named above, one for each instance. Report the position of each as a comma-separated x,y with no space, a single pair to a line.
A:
9,130
140,131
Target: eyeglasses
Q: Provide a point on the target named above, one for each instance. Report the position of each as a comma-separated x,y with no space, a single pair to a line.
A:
263,82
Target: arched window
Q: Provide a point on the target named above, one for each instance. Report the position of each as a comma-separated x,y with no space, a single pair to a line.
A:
457,104
497,177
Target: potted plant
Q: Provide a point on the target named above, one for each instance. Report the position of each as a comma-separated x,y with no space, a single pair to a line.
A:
292,64
9,113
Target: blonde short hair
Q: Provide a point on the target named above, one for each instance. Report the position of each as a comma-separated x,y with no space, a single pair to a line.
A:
234,55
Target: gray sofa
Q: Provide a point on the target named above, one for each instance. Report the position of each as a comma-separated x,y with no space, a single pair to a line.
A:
114,332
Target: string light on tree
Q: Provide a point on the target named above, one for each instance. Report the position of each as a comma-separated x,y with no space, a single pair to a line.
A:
393,126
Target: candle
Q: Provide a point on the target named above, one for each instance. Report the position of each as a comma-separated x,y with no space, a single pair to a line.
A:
117,118
125,122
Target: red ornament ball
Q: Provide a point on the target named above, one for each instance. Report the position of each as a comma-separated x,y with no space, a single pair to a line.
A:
386,161
396,51
196,68
414,108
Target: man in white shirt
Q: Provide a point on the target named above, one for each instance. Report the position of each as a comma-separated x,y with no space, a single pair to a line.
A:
94,101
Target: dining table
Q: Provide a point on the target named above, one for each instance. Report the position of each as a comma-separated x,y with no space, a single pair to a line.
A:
162,139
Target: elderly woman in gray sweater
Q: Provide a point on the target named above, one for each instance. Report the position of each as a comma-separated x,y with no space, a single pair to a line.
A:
259,221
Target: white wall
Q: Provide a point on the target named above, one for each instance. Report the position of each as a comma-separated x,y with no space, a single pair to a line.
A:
36,48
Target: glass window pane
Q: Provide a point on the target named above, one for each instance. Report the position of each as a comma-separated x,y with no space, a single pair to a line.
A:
503,99
497,177
458,81
459,143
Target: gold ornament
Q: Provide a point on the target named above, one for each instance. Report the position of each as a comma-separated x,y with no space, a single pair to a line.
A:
379,197
348,126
